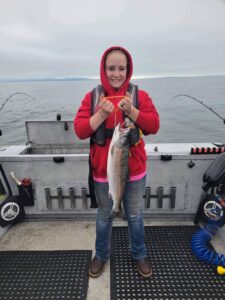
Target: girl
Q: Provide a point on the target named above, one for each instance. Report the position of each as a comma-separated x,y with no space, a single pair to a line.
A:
117,98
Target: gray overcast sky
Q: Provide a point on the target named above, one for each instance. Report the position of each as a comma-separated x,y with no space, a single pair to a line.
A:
60,38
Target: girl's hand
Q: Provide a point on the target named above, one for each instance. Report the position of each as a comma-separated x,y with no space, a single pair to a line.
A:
103,110
126,105
105,107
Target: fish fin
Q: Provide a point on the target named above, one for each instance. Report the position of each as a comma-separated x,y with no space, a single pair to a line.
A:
128,175
110,195
112,150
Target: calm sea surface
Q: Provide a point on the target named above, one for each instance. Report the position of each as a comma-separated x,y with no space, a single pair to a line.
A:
182,119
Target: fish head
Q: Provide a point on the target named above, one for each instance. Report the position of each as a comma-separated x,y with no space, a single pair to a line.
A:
120,136
128,123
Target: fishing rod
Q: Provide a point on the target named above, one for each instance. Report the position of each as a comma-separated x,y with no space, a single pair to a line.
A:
8,98
202,103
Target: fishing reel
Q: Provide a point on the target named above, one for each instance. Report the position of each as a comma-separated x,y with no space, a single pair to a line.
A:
211,210
212,206
11,211
212,203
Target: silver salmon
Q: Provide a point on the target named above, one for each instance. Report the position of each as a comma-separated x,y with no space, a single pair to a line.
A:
117,166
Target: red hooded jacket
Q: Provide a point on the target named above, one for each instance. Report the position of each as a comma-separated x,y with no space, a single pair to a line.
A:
147,121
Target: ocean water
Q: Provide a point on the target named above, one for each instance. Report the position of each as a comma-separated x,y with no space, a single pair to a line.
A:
182,119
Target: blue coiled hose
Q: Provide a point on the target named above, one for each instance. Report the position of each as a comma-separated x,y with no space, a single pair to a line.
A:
199,244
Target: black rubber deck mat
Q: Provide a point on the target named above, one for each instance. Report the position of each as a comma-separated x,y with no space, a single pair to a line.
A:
177,273
42,275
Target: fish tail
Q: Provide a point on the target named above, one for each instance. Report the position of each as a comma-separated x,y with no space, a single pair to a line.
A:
121,213
118,212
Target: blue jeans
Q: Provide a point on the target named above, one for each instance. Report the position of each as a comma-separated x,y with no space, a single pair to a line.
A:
132,205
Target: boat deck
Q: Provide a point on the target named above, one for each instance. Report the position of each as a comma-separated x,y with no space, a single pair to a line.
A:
72,235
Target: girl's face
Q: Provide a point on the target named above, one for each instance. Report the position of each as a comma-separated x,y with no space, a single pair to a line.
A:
116,68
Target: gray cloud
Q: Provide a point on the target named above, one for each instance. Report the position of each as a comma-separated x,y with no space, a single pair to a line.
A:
67,38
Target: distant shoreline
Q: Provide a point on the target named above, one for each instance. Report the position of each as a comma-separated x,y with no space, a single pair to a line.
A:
137,77
45,79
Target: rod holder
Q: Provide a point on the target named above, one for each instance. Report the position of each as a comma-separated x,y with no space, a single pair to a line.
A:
147,197
173,191
48,198
84,196
60,198
72,197
160,197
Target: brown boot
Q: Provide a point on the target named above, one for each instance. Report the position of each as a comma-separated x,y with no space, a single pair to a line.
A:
96,267
144,267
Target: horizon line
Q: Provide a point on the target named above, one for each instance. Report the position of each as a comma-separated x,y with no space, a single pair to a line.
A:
134,77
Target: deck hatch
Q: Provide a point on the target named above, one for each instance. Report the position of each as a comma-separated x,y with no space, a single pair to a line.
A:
53,137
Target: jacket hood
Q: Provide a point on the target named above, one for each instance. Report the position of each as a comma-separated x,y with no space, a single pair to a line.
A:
107,87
